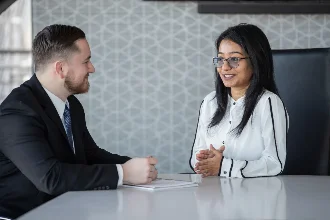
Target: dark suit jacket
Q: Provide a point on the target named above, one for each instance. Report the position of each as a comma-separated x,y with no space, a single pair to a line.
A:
36,160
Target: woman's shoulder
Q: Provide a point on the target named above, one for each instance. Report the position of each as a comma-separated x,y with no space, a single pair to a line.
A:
210,97
269,97
209,104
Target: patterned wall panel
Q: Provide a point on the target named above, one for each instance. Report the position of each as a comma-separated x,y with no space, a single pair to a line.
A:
153,67
15,46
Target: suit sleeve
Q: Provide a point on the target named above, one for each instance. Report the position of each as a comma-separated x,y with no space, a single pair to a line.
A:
272,160
23,141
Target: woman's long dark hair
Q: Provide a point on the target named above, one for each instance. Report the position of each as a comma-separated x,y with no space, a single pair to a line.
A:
255,44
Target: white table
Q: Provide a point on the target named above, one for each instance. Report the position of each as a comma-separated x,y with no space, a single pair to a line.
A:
283,197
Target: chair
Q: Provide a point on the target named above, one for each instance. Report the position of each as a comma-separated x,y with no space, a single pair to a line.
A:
303,80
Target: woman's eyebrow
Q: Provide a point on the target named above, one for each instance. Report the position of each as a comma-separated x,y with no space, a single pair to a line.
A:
231,52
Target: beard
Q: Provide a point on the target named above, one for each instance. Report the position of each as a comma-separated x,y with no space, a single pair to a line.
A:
75,87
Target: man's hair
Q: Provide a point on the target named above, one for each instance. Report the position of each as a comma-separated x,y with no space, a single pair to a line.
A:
55,41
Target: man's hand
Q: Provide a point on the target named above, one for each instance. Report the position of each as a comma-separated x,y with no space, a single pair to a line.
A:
211,165
153,171
140,170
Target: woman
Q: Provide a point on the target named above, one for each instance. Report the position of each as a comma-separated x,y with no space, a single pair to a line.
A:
243,124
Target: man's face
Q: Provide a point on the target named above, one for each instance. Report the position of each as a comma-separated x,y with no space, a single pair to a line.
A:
80,66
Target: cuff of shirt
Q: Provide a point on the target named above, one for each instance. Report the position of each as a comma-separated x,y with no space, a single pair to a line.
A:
220,166
194,160
226,167
120,174
231,168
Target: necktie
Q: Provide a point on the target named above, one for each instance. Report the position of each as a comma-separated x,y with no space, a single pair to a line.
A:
67,125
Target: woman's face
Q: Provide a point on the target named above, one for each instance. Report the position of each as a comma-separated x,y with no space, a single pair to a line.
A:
234,77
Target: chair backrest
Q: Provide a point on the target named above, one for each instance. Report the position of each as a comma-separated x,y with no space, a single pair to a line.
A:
303,80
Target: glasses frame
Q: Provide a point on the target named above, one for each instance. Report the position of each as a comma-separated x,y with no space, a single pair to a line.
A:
216,59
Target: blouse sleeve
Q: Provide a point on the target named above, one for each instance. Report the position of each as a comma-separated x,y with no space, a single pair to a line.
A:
199,142
274,126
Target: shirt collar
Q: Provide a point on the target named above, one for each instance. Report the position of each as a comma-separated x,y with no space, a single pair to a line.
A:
58,103
239,101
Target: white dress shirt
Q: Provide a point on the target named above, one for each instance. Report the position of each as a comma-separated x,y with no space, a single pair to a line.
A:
260,150
60,106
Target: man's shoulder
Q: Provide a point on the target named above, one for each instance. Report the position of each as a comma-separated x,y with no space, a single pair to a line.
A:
18,99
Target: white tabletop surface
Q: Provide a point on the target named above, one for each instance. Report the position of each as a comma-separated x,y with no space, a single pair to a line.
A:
283,197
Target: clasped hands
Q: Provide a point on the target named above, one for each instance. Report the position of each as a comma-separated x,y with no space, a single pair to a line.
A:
209,161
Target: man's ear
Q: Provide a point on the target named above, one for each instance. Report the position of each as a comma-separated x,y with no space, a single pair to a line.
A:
60,69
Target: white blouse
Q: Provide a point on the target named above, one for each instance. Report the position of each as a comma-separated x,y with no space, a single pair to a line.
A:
260,150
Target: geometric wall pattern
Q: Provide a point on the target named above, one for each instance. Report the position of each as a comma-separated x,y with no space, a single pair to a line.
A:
15,46
153,67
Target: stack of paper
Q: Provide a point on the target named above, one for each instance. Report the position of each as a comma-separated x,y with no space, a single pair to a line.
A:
161,184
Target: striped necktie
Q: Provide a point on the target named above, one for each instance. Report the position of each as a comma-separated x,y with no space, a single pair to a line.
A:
67,125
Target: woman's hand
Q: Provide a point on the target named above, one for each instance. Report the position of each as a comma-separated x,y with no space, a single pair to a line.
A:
209,161
204,154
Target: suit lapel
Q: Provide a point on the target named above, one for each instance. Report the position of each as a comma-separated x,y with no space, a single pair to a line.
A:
77,133
46,103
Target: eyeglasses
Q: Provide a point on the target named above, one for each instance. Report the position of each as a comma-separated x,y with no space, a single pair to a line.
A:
232,61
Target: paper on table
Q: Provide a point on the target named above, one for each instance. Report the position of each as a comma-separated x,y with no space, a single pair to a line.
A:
160,184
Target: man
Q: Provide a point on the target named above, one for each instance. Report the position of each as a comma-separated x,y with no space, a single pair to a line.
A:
45,147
